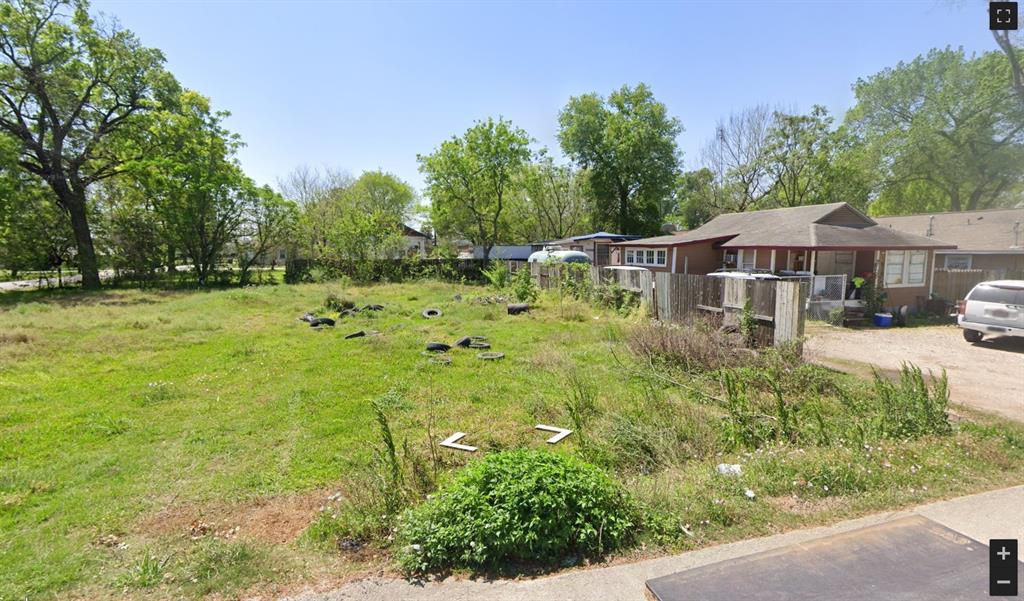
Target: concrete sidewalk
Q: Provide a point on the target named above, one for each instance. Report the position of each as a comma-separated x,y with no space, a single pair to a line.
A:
995,514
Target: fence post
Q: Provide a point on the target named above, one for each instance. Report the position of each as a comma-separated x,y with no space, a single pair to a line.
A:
789,313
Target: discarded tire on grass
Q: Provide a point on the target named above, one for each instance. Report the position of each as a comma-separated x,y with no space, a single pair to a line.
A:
438,347
480,345
358,334
464,341
517,308
373,308
321,321
490,356
440,359
431,313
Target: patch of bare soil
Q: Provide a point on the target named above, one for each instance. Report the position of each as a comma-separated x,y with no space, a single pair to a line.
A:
273,520
806,506
988,375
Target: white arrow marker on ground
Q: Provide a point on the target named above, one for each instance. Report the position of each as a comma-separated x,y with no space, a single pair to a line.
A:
561,433
451,444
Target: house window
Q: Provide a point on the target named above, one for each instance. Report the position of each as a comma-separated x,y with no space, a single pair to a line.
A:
958,261
282,255
646,257
905,268
748,260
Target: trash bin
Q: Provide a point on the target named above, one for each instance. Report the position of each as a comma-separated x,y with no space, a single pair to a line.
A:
883,320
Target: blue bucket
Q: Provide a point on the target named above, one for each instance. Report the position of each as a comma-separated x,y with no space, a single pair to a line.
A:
883,320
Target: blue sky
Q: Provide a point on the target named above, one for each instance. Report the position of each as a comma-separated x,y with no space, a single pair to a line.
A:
369,85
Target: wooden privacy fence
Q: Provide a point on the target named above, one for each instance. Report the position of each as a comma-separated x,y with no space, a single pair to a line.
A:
778,306
954,284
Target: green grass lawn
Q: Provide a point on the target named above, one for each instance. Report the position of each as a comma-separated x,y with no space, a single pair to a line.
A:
178,444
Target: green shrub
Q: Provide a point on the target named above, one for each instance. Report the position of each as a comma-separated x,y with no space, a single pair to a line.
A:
575,281
748,323
524,290
615,297
337,302
497,275
517,505
837,316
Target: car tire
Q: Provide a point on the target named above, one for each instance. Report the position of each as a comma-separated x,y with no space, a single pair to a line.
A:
973,336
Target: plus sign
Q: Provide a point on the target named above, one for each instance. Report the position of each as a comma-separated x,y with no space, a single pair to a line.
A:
1003,553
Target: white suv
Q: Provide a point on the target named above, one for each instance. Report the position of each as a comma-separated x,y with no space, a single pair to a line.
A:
992,307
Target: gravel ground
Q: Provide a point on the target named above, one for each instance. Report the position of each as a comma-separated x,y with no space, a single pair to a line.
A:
988,376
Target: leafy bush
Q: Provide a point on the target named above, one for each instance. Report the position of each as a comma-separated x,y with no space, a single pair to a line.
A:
575,281
615,297
337,302
497,275
516,506
694,346
837,316
910,407
524,290
748,323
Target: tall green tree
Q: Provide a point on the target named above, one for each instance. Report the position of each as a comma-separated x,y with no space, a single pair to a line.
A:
947,131
71,92
799,154
627,143
693,199
269,222
810,161
553,203
470,180
195,183
364,220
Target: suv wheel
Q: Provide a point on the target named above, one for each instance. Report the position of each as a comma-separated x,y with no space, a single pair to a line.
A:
973,336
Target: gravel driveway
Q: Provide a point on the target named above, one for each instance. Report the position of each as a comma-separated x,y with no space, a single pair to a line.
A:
988,376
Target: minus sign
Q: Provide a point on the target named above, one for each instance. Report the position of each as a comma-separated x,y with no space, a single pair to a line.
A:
1002,582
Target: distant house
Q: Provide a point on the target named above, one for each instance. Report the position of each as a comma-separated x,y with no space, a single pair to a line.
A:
828,244
596,245
990,240
416,243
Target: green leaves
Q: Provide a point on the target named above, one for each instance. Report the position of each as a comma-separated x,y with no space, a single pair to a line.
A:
470,179
946,129
517,506
628,144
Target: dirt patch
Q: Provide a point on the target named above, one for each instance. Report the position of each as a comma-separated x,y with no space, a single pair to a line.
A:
988,375
14,338
274,520
804,506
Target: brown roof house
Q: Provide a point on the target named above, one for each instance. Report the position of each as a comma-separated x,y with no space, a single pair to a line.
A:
827,244
990,240
989,246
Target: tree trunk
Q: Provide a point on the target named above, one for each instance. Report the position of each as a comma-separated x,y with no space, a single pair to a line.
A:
171,267
74,202
487,252
623,213
954,200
